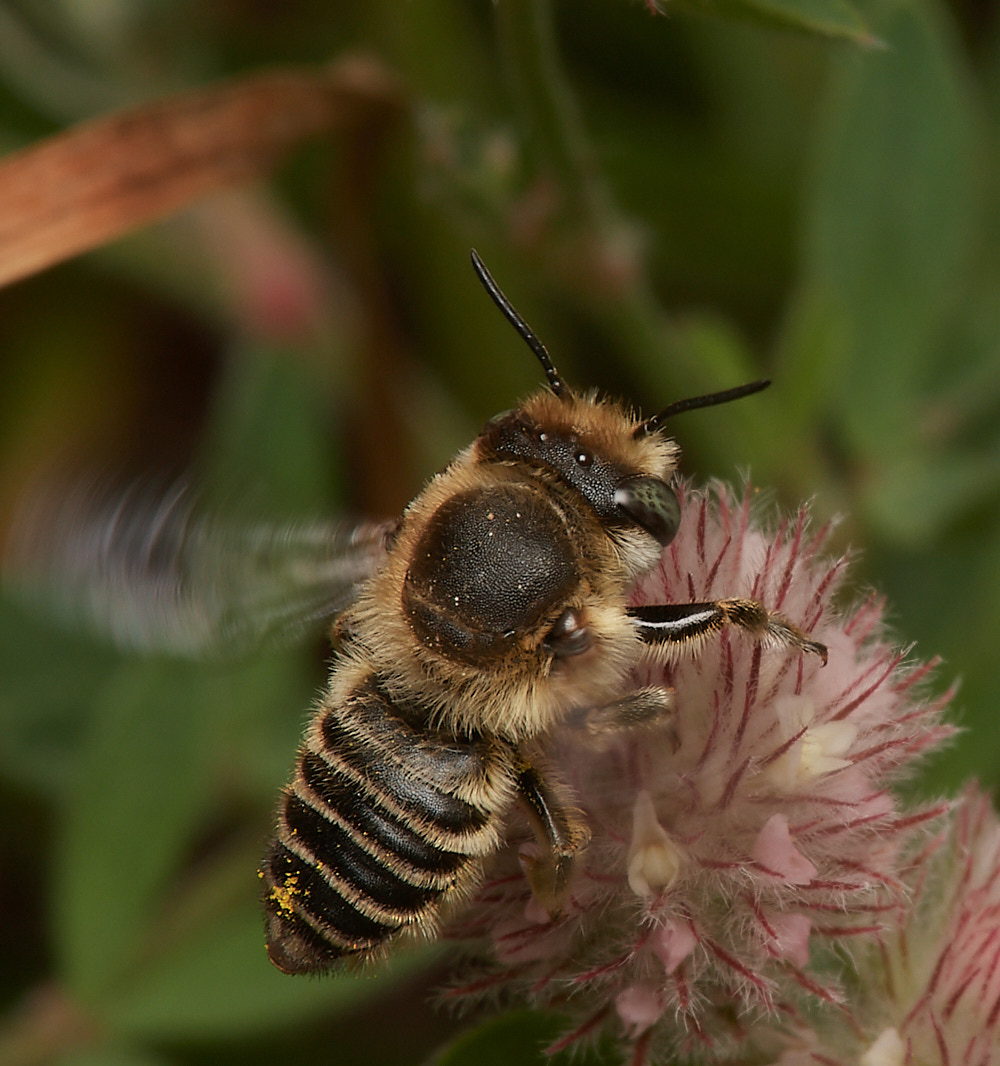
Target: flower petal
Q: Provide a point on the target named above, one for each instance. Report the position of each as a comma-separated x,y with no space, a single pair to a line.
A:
776,853
638,1006
672,942
888,1050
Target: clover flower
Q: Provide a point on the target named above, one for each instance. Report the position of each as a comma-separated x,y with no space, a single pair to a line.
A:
743,846
930,988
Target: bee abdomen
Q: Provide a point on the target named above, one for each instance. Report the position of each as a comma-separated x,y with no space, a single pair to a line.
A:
407,781
371,837
383,831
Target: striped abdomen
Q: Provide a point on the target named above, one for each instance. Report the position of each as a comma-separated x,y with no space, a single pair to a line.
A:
384,823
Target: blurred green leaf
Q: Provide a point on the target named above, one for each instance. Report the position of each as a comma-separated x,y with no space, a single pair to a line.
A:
141,789
111,1054
154,758
50,678
268,433
828,18
217,982
911,498
520,1037
742,437
888,226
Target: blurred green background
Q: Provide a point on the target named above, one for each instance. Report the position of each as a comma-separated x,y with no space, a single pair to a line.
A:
677,204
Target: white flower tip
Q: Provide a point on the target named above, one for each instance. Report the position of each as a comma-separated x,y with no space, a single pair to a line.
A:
820,750
535,913
777,854
652,869
824,746
654,860
888,1050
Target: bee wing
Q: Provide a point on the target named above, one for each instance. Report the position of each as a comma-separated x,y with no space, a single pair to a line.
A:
156,570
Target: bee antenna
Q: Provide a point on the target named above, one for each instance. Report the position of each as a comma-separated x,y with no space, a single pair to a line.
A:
556,383
709,400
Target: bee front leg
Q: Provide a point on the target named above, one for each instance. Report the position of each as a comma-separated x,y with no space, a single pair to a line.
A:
677,625
562,834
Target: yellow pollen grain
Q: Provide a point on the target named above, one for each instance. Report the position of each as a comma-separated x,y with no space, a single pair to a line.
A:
284,895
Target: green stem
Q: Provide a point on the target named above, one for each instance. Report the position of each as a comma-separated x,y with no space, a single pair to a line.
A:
549,110
601,265
598,236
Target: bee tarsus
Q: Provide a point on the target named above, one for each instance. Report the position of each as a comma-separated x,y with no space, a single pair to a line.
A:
562,833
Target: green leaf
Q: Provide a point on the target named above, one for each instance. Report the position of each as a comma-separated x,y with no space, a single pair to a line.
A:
889,219
50,677
521,1038
159,741
143,778
911,500
268,432
949,604
827,18
743,437
717,349
217,981
111,1055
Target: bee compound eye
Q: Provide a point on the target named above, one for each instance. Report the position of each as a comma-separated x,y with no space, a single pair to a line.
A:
651,504
569,635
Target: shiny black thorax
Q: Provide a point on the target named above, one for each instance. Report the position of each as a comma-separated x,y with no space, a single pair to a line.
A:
491,563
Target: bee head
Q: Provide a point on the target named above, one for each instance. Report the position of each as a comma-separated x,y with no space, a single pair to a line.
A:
622,465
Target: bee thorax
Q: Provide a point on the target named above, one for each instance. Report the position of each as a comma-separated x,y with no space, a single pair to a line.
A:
489,566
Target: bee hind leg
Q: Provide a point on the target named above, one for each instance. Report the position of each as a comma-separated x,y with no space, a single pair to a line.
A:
562,835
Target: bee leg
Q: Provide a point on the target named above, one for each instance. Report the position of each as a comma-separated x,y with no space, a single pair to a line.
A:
640,709
562,835
677,624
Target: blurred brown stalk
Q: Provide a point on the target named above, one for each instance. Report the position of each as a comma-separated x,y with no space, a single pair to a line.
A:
98,181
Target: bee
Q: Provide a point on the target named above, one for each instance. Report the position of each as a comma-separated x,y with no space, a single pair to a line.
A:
494,609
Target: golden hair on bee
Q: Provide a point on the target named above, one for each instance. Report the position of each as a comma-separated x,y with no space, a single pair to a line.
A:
501,607
603,426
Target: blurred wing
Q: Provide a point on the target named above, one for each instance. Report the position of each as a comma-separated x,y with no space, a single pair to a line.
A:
158,571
